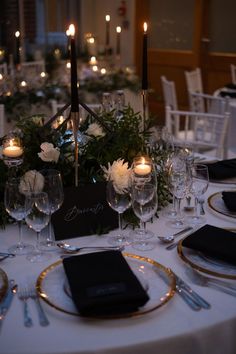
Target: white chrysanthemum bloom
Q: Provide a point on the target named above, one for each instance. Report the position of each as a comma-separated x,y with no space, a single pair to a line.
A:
95,130
32,181
119,174
49,153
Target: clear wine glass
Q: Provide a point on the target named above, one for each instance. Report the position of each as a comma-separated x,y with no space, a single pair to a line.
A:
118,202
199,185
14,201
37,217
54,188
144,203
179,186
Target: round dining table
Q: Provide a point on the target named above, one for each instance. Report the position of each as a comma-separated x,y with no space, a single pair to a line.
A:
173,328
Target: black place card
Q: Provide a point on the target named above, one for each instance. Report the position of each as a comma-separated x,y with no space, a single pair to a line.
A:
84,211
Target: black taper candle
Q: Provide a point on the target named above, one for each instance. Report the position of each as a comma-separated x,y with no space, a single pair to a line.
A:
73,68
107,30
17,35
118,33
145,60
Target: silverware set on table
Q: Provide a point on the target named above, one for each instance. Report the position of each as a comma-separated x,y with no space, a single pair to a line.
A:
24,294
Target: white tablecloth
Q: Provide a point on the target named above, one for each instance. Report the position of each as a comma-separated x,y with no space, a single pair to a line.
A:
172,329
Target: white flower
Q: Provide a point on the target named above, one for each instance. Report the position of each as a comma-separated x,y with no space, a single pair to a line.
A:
49,153
95,130
32,181
119,174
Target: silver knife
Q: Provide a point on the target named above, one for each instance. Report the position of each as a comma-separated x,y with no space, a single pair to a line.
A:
181,283
4,307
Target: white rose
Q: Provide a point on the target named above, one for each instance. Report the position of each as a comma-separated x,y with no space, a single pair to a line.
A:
119,174
95,130
32,181
49,153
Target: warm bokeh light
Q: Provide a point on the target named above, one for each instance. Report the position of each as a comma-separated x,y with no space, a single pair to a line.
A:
42,74
118,29
1,76
91,40
71,30
108,18
145,26
103,71
17,34
95,68
68,65
23,83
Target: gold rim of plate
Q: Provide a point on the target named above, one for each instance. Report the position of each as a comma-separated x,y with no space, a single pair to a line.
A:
165,298
4,286
209,201
200,268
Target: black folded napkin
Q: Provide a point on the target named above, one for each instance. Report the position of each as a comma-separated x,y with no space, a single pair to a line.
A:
229,199
231,86
222,169
102,283
228,93
213,241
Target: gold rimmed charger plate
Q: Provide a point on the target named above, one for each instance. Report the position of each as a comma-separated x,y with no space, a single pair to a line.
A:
158,281
216,203
3,284
207,264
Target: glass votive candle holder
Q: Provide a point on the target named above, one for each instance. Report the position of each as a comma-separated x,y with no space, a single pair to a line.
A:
12,150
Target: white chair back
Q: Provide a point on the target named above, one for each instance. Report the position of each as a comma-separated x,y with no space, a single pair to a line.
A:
170,100
205,131
194,80
201,102
233,73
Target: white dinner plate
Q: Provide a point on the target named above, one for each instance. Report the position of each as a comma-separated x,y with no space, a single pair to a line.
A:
216,203
158,281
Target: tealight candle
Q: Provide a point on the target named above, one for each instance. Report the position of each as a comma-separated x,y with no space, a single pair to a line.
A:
142,167
12,150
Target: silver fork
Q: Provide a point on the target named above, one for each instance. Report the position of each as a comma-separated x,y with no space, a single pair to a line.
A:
217,284
42,316
23,295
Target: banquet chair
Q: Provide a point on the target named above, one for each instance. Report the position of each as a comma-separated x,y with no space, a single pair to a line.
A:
194,80
204,131
170,100
233,73
202,102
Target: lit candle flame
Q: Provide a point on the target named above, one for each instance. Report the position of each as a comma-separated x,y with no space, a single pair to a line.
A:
118,29
71,30
108,18
17,34
145,27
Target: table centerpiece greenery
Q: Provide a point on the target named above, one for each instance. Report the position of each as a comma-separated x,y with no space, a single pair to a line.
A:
99,146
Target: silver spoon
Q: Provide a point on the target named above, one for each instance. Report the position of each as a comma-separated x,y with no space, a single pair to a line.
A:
170,238
73,249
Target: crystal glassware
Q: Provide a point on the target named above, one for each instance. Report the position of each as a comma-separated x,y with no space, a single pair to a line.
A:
143,188
118,202
199,185
54,188
14,201
144,203
37,217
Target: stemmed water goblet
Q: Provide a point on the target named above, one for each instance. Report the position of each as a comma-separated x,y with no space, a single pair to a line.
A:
179,186
14,200
37,217
144,198
118,201
144,203
54,188
199,185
